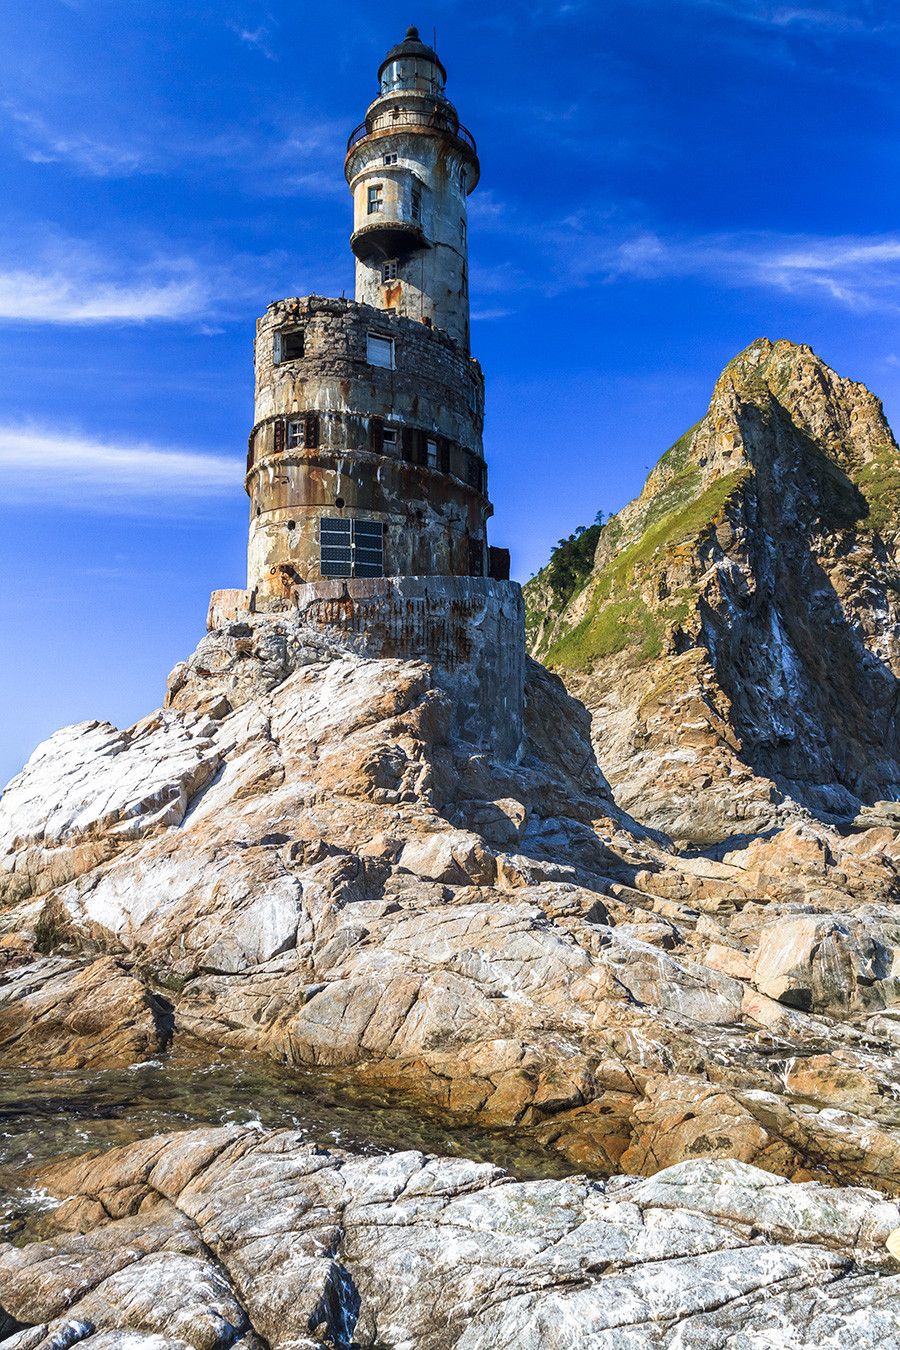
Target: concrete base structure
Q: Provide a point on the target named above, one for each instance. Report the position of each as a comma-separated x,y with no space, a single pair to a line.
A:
471,630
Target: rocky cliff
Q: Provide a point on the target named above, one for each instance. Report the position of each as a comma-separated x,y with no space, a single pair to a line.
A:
296,859
736,632
299,859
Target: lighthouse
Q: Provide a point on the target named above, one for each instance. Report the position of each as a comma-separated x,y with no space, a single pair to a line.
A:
411,167
365,467
365,458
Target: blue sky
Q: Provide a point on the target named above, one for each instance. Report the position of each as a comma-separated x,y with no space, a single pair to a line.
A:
662,182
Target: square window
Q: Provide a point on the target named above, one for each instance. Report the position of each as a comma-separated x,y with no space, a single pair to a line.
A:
288,345
389,270
380,351
390,439
351,548
376,198
368,548
295,437
389,159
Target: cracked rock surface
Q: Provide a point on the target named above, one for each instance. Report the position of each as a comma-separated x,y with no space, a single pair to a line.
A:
342,886
217,1238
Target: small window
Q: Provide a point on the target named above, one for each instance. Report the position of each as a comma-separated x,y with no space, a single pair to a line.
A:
389,270
389,159
335,547
416,203
288,345
475,474
295,437
462,230
380,351
368,548
376,198
431,454
389,440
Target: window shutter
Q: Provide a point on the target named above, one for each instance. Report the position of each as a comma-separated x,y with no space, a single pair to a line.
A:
421,447
376,434
279,435
311,431
476,557
409,444
276,347
443,454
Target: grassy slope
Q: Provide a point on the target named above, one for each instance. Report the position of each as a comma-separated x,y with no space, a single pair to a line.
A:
864,497
617,615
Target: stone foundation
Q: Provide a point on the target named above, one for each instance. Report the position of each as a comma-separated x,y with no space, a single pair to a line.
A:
471,630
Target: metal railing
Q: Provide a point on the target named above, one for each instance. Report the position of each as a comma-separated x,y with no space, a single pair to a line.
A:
405,118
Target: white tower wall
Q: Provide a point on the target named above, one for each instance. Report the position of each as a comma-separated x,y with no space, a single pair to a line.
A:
410,167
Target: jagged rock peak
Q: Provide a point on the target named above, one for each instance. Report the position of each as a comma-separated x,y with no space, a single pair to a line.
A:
808,401
738,620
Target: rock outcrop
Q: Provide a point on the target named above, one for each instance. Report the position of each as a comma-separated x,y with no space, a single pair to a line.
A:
230,1237
737,636
316,871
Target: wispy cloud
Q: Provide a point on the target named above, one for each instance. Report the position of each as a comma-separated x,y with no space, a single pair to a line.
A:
278,160
98,156
858,272
853,16
55,297
67,281
257,38
38,465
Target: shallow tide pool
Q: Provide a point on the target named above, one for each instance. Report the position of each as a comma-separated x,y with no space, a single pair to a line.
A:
46,1114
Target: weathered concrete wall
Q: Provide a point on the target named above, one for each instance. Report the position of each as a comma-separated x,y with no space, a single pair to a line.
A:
471,630
429,246
434,382
410,167
399,446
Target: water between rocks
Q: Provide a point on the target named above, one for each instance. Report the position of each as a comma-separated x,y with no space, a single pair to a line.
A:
47,1114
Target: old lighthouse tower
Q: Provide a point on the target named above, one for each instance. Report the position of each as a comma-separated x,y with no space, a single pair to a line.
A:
365,457
365,467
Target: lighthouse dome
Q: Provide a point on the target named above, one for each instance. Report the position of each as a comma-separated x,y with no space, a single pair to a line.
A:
412,65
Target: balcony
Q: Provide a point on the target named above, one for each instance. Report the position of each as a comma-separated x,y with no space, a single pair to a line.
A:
400,118
386,239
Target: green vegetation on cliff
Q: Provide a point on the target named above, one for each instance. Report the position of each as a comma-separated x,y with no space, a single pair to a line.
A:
879,483
618,615
571,562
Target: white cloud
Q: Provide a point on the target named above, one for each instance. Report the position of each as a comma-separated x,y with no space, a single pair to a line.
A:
38,465
63,280
858,272
58,297
99,156
257,37
856,16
